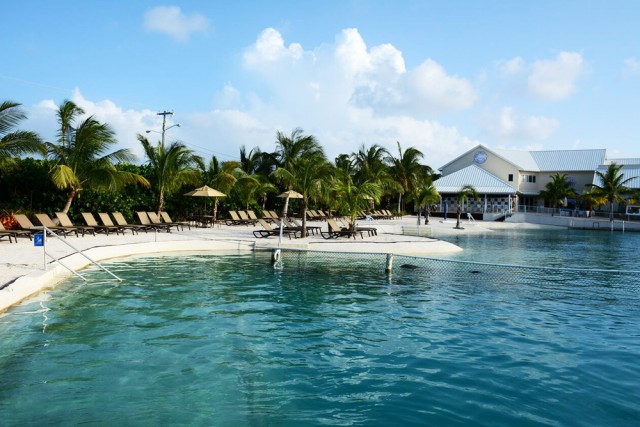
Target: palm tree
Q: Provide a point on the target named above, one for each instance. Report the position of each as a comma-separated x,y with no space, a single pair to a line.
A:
16,143
301,166
426,196
170,167
221,177
406,170
79,157
557,190
350,192
464,194
612,186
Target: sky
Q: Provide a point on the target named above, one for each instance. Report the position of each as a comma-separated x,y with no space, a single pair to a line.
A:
440,76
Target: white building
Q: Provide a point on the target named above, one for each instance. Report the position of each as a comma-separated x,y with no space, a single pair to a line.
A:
509,178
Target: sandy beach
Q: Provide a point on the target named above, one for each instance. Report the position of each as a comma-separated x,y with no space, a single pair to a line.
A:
25,270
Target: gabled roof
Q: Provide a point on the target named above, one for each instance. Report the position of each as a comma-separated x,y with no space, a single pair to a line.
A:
547,161
522,159
569,160
482,181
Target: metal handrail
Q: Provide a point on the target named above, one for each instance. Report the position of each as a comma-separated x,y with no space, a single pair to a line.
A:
78,251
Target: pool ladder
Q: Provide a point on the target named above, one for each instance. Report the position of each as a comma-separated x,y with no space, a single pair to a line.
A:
45,230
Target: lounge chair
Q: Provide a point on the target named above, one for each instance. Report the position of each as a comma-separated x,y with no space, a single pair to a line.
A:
155,220
234,219
167,220
313,229
144,220
5,233
106,229
252,216
334,231
122,222
273,215
245,218
13,233
106,220
268,231
46,221
26,224
66,222
237,220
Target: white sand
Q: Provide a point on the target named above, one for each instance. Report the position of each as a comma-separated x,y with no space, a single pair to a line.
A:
23,273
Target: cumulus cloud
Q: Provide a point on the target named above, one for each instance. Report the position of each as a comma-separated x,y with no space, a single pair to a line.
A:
270,47
374,77
509,125
555,79
345,93
172,21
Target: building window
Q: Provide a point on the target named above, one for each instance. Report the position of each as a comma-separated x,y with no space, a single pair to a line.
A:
528,178
510,177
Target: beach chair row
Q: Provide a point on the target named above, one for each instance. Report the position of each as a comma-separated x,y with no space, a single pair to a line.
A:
109,223
249,217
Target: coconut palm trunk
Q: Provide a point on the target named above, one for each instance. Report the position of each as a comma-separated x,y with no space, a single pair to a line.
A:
70,196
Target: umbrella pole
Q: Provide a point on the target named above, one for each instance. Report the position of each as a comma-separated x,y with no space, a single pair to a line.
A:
277,257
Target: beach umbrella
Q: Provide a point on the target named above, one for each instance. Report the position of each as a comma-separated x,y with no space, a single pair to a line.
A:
289,195
206,191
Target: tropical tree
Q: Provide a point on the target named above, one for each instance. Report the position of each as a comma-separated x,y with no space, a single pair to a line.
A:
221,177
301,166
170,167
612,186
591,199
558,190
80,159
350,192
427,195
14,143
406,170
463,196
252,175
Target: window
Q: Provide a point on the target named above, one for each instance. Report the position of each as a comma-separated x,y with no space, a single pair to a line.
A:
510,177
528,178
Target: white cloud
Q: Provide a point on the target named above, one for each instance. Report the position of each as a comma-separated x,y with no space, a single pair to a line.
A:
631,66
512,66
171,21
555,79
344,93
270,47
508,125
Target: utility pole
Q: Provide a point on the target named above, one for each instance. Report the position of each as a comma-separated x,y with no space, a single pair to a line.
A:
164,115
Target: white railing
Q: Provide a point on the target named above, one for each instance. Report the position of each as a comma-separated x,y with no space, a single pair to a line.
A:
45,230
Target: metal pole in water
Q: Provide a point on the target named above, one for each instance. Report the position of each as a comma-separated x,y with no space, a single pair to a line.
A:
389,267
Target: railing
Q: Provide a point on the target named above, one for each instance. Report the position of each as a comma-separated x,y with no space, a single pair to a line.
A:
78,251
579,213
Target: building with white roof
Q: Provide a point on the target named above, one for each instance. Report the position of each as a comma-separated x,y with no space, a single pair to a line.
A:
506,178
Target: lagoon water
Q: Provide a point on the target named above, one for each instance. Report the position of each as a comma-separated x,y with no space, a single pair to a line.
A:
229,341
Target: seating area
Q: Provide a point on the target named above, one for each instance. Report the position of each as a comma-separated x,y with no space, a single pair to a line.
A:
115,223
63,226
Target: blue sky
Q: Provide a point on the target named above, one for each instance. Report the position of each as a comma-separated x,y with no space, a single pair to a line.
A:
439,76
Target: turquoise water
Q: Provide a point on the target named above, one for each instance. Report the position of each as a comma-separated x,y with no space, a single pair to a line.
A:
557,247
229,341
